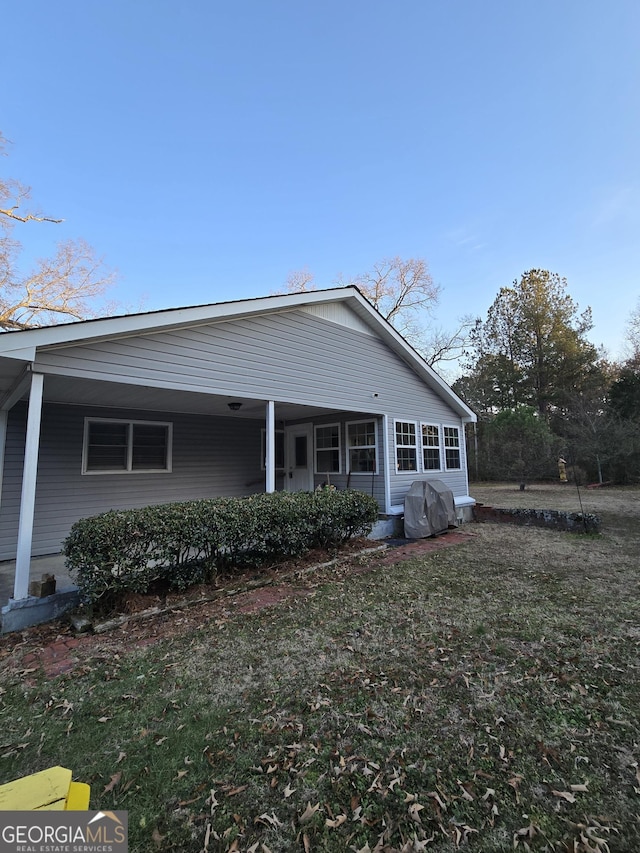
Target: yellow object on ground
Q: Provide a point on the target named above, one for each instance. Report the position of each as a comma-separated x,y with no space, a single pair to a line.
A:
49,790
562,470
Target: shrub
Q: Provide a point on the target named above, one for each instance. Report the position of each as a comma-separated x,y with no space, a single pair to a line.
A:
185,543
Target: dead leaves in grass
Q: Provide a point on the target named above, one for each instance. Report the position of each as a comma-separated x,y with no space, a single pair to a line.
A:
111,784
590,836
381,796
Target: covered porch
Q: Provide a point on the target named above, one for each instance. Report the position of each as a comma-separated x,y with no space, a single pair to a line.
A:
217,444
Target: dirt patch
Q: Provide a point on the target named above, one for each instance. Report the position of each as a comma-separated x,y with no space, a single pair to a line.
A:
254,601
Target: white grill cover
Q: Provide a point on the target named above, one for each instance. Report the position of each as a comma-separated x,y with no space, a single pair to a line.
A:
429,508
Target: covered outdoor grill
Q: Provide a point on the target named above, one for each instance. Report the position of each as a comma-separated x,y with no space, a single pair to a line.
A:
429,509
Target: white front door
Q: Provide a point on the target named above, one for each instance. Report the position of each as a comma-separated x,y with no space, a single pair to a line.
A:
298,475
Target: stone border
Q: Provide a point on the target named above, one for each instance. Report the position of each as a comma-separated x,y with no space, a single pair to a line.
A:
572,522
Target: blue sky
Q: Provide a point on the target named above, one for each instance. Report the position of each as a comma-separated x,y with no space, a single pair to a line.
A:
207,149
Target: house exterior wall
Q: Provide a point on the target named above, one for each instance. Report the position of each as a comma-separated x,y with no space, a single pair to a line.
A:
320,359
211,457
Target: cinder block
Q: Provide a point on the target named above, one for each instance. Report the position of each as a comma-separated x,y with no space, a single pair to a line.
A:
42,588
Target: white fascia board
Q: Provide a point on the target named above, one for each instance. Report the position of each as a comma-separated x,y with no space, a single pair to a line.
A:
20,353
131,324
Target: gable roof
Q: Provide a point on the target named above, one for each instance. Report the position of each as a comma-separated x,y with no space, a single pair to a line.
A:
24,344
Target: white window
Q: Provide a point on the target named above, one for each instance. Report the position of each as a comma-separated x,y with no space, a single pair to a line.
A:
406,446
327,449
362,447
126,447
452,457
279,450
431,453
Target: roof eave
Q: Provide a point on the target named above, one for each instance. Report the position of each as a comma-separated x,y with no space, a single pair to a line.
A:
127,324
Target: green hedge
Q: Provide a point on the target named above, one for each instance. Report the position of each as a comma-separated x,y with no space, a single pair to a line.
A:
182,544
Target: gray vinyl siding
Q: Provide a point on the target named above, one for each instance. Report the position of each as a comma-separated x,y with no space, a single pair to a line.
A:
211,457
291,356
337,312
12,481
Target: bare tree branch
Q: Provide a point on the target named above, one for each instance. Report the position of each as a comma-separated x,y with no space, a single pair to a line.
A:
15,193
404,292
30,217
633,335
449,346
299,281
57,289
399,288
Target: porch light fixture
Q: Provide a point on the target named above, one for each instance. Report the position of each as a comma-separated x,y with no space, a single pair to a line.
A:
235,406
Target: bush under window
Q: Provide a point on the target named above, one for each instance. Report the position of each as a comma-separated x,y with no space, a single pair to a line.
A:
182,544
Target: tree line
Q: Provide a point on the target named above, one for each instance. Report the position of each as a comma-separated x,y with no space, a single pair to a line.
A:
544,393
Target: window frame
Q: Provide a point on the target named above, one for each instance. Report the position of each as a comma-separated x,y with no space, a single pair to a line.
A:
458,447
130,423
414,446
373,446
432,446
316,468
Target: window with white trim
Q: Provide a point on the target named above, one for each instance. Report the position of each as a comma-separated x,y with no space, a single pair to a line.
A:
431,455
362,447
452,456
406,446
279,439
113,446
327,449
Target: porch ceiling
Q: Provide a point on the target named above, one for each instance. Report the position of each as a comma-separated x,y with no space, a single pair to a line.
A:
62,389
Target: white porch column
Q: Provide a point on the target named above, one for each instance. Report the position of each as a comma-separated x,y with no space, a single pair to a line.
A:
387,465
28,497
270,444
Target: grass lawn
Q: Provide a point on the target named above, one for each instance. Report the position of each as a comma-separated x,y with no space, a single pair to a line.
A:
484,697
